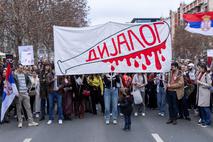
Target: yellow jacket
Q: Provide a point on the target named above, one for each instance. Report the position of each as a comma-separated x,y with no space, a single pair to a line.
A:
96,82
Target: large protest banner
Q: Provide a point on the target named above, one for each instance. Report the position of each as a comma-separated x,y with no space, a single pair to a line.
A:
113,47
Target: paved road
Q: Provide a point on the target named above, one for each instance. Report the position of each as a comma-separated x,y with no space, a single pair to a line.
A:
151,128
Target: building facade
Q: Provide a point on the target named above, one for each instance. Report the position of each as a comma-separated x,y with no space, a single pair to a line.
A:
144,20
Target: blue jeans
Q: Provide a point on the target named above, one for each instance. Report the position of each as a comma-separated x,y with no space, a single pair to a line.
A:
52,96
173,106
161,100
205,115
111,99
44,110
43,106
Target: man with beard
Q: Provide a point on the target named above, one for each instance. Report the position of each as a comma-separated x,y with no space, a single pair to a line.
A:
175,91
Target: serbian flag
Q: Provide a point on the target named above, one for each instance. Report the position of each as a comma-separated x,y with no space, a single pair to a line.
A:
9,93
201,23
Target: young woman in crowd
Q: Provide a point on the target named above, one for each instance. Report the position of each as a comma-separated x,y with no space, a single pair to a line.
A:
111,97
151,91
55,90
203,96
34,93
44,90
139,82
67,98
96,86
79,106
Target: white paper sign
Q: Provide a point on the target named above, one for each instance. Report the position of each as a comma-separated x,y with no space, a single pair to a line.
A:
113,47
26,55
210,53
26,58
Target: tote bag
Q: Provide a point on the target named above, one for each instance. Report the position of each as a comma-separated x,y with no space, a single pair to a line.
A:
137,97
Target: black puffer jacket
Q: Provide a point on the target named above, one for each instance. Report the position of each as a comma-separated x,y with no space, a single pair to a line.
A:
111,80
126,105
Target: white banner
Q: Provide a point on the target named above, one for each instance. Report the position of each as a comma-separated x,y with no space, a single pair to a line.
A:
113,47
26,55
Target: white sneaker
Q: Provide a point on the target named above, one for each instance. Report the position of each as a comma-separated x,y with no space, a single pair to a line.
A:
159,113
196,112
143,114
136,114
162,114
121,114
110,114
32,124
114,122
60,122
204,125
199,122
19,125
107,122
49,122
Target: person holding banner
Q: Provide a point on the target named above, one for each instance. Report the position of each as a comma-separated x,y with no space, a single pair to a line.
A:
54,89
111,96
161,93
78,99
96,87
44,90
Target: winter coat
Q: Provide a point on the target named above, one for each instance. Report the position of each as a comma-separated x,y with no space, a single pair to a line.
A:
50,82
35,84
203,93
111,80
157,81
176,83
96,82
43,84
126,105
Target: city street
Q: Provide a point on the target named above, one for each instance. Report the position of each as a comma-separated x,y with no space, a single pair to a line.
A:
72,55
151,128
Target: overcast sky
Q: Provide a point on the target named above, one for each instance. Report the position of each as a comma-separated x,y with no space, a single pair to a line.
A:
102,11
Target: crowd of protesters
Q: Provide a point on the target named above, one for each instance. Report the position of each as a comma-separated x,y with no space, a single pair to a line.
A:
186,86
